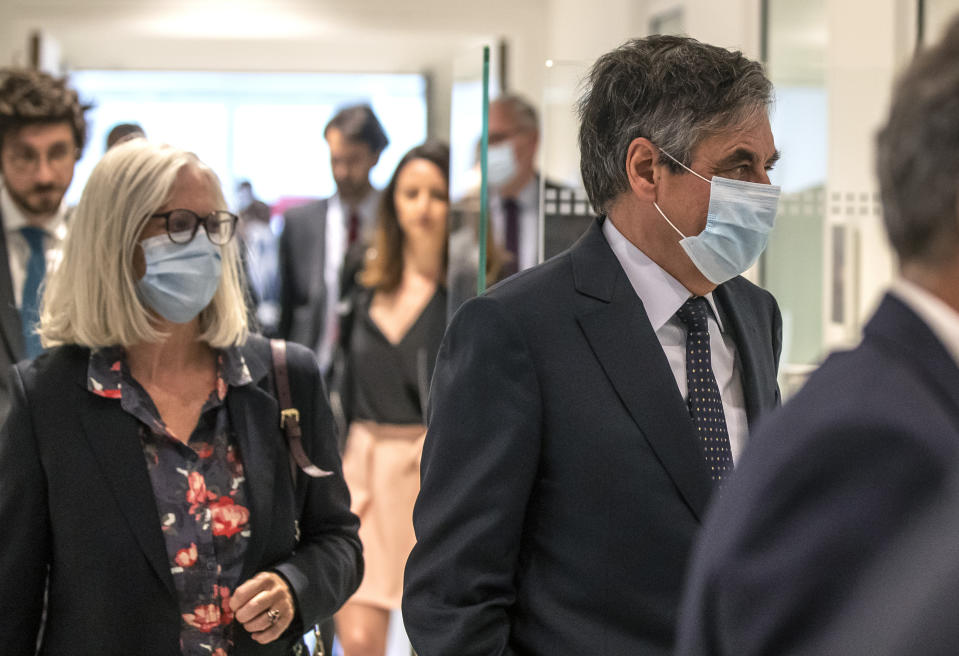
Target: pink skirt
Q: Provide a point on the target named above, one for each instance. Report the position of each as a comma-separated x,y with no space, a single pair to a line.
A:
381,466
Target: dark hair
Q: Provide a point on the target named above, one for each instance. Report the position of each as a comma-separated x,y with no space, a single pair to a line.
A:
359,123
384,268
29,97
918,156
674,91
122,132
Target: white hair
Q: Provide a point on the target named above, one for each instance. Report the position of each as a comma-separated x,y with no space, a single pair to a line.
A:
91,298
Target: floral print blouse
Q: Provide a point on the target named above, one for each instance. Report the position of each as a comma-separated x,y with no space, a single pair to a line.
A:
199,492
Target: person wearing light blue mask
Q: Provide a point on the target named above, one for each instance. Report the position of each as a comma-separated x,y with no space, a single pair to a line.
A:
741,215
145,473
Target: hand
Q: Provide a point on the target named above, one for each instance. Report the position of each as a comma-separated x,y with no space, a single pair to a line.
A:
255,599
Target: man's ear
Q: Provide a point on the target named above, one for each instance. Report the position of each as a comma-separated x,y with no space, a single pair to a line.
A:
641,159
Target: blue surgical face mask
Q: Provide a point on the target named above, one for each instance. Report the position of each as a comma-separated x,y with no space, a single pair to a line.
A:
741,215
180,279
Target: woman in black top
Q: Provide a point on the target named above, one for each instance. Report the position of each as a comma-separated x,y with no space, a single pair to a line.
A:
397,323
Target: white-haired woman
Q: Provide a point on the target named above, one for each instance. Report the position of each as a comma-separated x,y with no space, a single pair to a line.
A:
144,478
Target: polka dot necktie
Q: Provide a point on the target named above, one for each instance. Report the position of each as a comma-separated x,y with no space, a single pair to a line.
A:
705,404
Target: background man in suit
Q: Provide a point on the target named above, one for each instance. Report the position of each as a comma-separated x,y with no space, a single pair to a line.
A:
42,134
872,438
323,242
514,133
566,468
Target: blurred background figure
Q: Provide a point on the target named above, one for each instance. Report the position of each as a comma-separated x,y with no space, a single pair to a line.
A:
123,131
42,134
322,244
261,256
192,534
389,342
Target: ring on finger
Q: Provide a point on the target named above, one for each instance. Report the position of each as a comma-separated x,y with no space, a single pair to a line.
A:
273,614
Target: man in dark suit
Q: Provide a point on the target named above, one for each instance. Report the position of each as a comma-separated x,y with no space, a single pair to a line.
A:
871,440
42,134
566,468
323,242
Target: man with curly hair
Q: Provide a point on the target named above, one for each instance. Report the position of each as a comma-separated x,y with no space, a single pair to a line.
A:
42,133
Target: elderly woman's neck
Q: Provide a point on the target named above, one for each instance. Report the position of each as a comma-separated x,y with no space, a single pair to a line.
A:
180,353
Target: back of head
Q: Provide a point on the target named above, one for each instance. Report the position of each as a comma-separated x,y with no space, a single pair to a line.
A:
29,97
358,123
918,157
674,91
122,132
91,298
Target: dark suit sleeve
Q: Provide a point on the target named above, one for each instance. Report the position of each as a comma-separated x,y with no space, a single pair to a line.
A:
783,548
287,263
777,340
24,528
479,464
328,565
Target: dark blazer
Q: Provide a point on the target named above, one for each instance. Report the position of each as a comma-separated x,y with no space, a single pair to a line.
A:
303,290
840,471
11,332
75,495
562,479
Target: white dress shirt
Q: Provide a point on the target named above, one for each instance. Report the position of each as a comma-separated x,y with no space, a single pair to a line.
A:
337,217
18,250
942,319
662,295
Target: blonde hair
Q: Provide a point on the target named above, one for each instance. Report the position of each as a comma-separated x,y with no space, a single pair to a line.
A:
91,299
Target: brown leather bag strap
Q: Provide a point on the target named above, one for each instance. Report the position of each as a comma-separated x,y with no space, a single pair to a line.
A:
290,416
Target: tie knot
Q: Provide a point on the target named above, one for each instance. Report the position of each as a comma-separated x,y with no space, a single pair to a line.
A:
695,314
34,237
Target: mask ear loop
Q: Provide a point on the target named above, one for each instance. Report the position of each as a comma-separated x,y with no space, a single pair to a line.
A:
667,220
684,166
658,209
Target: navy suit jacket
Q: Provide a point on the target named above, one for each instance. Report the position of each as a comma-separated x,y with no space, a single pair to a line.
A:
11,332
562,479
75,496
840,471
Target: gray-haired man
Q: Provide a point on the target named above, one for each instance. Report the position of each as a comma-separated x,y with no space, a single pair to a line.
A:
583,412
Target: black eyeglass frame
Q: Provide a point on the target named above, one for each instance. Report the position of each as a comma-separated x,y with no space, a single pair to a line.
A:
223,216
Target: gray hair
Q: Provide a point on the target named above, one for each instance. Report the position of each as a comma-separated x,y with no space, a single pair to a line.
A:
918,156
522,110
91,298
674,91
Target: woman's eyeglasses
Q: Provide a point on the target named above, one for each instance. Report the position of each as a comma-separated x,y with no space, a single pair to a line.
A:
182,225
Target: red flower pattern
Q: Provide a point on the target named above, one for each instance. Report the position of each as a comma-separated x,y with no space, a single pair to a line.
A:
197,492
229,518
186,557
204,617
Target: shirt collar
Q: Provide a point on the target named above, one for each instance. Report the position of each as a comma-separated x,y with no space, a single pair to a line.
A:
661,294
942,319
14,218
106,370
366,207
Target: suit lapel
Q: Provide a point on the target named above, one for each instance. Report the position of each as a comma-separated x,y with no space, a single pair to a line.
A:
619,333
757,377
111,434
10,327
254,415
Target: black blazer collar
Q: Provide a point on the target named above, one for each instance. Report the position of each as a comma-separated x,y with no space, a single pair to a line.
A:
904,335
618,330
